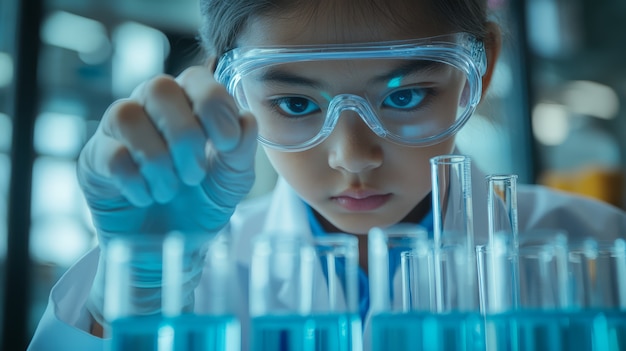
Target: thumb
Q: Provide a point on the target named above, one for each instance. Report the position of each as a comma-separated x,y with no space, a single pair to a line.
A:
231,173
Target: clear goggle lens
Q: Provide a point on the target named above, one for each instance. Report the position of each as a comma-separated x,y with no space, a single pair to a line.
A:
415,98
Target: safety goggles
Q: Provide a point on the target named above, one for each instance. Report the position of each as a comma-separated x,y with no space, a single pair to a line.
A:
415,92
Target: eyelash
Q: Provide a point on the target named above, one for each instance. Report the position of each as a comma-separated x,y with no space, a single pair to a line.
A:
274,104
429,94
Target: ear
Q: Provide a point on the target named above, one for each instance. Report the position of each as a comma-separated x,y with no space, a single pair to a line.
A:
493,44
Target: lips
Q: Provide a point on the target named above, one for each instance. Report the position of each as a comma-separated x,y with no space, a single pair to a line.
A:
361,200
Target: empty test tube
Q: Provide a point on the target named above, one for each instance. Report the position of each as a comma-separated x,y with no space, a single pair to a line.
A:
503,230
502,206
496,277
598,270
543,270
453,227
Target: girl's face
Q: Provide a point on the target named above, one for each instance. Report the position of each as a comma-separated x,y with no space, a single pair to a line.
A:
355,179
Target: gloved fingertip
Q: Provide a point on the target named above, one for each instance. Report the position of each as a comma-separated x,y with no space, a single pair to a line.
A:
165,191
229,129
139,200
192,174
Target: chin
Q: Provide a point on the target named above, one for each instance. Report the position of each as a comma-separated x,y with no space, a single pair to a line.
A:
362,224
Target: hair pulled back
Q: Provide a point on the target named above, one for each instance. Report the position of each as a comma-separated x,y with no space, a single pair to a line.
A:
223,20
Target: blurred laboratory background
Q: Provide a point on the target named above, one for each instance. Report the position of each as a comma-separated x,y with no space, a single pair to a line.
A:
554,115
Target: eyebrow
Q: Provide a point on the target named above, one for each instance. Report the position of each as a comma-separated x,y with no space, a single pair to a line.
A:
278,76
411,67
281,77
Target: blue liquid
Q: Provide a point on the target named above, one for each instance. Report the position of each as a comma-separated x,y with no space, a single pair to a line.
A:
426,331
340,332
531,330
135,333
610,331
557,330
537,330
187,332
205,333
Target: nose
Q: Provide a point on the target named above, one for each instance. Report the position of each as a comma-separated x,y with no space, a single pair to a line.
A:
353,146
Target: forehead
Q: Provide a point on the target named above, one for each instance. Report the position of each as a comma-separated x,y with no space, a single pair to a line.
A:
340,22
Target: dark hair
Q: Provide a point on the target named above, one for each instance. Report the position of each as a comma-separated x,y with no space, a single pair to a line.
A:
223,20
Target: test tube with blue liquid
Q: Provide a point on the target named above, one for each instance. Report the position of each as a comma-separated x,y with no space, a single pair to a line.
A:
304,293
524,289
598,271
150,296
548,292
440,273
497,262
542,321
213,323
337,322
457,324
402,286
453,234
133,293
503,245
533,316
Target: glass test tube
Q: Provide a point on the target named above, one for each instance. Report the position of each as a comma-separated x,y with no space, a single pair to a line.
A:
304,293
418,279
455,268
402,293
399,292
543,272
277,260
149,300
133,292
598,270
502,206
539,321
337,322
497,278
503,230
400,269
213,325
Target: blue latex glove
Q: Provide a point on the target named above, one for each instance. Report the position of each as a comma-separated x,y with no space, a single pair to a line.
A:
177,155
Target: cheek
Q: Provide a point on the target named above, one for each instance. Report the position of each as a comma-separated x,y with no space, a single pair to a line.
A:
302,170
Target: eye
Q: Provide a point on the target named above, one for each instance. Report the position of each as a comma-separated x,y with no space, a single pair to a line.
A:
405,99
295,106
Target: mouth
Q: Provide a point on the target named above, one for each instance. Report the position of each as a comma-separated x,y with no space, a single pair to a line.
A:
361,200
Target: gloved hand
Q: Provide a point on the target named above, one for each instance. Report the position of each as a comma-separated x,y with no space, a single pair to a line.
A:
176,155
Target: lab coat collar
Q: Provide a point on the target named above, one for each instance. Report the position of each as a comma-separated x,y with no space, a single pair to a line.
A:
286,214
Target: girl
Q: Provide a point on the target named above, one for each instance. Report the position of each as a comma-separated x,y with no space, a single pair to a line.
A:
349,99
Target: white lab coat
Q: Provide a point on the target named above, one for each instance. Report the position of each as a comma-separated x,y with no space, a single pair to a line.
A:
65,323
